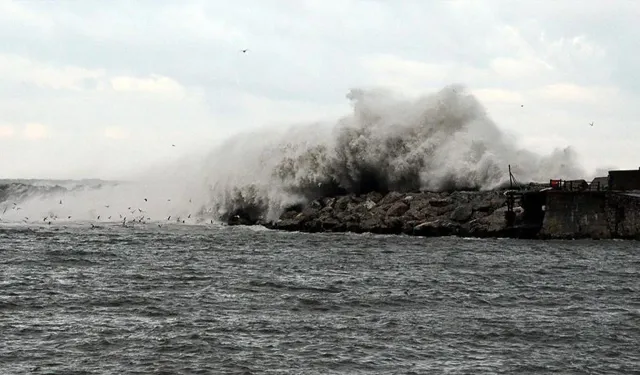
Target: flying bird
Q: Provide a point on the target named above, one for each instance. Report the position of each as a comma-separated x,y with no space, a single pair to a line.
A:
244,50
591,123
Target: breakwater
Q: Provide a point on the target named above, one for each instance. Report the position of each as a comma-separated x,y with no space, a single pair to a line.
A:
535,214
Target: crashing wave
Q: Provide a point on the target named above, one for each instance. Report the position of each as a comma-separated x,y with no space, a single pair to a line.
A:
443,141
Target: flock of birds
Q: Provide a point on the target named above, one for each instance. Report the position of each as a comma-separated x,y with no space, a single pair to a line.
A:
133,215
138,215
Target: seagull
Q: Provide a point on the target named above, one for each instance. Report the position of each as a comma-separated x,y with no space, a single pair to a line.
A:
591,123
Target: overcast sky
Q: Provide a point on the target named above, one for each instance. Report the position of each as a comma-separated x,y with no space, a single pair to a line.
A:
92,88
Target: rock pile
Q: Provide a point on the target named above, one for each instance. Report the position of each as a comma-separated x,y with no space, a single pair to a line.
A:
470,213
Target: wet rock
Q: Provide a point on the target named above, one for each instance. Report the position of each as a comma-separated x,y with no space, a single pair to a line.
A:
374,196
462,213
369,204
419,213
440,202
397,209
435,228
390,198
328,202
490,225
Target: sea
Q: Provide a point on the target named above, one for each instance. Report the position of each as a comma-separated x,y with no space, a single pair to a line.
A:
79,298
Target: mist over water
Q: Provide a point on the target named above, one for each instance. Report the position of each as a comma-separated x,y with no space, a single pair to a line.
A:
440,141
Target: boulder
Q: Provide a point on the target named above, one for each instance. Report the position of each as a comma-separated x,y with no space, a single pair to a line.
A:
435,228
462,213
369,204
490,225
397,209
390,198
440,202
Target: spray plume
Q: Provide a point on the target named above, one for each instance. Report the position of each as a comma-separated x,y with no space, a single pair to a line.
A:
443,141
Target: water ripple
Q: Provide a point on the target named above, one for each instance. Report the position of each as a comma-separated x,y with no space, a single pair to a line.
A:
234,300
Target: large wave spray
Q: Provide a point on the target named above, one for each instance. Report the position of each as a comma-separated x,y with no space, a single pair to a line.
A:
441,141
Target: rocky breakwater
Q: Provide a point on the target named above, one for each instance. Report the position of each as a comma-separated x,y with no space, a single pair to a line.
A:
461,213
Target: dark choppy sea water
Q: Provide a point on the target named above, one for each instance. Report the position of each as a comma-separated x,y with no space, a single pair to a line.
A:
202,300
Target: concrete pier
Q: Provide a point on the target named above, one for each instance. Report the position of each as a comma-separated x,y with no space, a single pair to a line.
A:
591,214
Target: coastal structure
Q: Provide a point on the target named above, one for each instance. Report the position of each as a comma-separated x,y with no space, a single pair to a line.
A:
608,207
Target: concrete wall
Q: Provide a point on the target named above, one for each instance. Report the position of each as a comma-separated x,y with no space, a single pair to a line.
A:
623,215
575,215
596,215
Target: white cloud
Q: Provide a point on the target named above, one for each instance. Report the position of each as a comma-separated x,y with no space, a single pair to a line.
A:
415,77
155,85
35,131
16,12
514,68
569,92
6,131
19,69
23,70
495,96
114,132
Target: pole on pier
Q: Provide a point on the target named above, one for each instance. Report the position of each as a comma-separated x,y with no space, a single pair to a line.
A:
510,178
510,215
